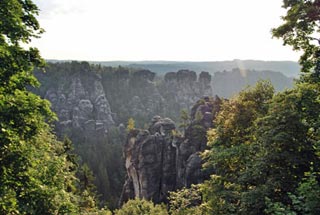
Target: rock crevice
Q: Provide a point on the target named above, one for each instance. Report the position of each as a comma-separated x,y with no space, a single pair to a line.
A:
159,160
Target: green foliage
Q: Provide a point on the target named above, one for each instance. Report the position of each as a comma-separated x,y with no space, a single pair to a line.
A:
232,134
277,208
187,201
198,116
261,150
301,24
104,158
265,149
176,134
131,124
34,178
305,200
18,25
184,119
71,157
231,147
36,170
284,151
86,178
141,207
86,189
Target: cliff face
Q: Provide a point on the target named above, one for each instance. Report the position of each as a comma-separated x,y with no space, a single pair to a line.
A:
159,160
91,99
141,95
149,155
133,94
81,107
183,89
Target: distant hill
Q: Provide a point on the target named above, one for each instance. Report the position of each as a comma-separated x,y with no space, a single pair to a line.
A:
288,68
229,83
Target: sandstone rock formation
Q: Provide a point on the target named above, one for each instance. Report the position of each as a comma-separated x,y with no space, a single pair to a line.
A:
140,94
149,158
183,89
88,97
80,106
158,160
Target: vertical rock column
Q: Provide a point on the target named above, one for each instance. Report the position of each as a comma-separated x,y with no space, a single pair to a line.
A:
150,162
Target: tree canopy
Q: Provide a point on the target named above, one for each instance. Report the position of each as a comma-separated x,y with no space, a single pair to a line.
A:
266,154
37,172
301,30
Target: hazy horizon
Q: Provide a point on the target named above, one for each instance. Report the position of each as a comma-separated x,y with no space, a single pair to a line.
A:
167,30
173,61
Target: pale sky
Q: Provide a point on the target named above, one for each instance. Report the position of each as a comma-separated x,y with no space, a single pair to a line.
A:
184,30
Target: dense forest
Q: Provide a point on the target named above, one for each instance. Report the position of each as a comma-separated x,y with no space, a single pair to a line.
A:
249,150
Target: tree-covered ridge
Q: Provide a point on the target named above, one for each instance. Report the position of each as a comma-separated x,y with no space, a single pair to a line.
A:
229,83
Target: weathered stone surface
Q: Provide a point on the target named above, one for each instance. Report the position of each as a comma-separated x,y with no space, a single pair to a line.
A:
181,90
144,74
81,105
205,78
186,76
157,161
149,156
80,93
193,173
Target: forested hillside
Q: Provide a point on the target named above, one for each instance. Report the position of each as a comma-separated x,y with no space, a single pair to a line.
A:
81,138
94,103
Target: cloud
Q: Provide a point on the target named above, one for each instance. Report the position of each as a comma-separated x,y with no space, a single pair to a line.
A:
51,8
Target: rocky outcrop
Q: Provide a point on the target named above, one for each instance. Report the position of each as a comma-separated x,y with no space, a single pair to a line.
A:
158,160
149,155
80,92
195,141
183,88
81,107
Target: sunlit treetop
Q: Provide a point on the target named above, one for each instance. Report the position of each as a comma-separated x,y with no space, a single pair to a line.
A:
18,22
18,25
301,30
